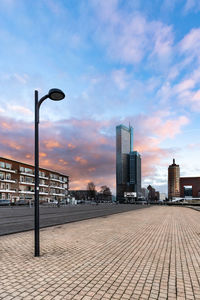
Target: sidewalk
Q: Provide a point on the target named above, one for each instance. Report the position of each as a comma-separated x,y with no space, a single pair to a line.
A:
149,253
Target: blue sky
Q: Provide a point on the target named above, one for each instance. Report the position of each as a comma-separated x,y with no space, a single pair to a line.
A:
118,62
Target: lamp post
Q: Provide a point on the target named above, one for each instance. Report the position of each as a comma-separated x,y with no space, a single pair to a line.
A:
56,95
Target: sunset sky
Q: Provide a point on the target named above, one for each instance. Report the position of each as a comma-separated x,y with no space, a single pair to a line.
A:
117,62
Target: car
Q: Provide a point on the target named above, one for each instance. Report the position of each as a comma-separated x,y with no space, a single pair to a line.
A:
53,202
4,202
63,202
22,202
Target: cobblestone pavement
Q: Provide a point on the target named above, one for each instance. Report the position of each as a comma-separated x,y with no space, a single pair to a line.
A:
150,253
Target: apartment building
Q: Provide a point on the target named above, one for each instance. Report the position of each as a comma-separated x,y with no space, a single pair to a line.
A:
17,182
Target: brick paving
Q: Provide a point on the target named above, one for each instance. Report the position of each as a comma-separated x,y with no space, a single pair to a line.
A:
150,253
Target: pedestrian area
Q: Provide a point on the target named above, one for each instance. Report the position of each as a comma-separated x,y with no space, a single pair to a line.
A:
151,253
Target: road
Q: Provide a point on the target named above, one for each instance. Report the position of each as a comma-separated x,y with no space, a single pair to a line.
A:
19,219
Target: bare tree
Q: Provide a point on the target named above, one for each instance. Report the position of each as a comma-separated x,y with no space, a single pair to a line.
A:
105,193
105,190
91,190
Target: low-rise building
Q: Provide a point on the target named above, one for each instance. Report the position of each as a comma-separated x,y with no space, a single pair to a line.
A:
190,187
17,182
163,196
144,193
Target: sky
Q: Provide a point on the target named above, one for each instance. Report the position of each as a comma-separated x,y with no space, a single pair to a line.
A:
117,62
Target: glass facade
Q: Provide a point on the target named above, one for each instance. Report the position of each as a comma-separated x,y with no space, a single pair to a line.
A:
135,171
128,162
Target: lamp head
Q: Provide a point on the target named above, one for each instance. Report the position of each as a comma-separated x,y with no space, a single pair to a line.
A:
56,94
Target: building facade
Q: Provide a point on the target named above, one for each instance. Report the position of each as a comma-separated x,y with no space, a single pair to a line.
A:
128,163
173,181
135,172
17,182
190,187
152,193
145,193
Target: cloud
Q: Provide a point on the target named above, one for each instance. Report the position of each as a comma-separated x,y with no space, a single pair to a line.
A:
163,36
191,5
20,110
51,144
92,156
71,146
120,78
2,110
81,160
129,36
190,44
18,78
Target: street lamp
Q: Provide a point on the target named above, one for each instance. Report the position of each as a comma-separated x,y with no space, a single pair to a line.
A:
56,95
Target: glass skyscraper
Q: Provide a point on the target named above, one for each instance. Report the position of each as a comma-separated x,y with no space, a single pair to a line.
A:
128,163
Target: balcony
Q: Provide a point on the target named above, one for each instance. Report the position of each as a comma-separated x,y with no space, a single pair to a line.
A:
7,191
57,180
27,174
7,180
43,185
7,170
56,187
43,177
43,193
25,182
54,194
26,192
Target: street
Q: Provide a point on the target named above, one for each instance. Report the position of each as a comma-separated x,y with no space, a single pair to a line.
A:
18,219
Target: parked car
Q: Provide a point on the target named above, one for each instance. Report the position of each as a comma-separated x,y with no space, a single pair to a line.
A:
53,202
22,202
4,202
63,202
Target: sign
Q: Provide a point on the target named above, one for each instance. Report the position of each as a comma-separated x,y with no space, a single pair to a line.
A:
130,194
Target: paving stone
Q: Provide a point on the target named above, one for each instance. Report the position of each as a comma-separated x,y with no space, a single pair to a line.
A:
143,254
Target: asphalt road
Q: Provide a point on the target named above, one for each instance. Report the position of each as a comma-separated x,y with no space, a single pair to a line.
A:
18,219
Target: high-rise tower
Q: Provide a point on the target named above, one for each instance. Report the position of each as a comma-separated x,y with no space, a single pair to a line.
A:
173,180
128,163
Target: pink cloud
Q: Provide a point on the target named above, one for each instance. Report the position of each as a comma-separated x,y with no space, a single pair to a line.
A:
184,85
92,156
50,144
81,160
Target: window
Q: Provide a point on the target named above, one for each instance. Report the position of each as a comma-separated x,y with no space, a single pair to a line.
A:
21,169
8,166
2,164
8,176
21,178
53,176
29,171
1,175
28,179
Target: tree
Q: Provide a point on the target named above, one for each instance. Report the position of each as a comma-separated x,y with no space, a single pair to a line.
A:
105,192
91,189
